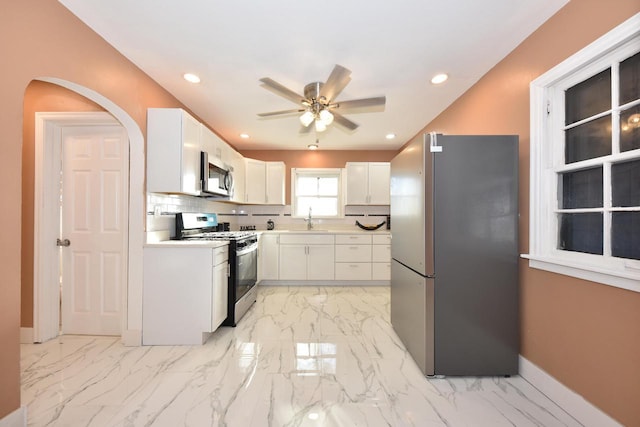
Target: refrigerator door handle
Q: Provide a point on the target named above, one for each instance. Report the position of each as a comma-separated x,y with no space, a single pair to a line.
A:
433,143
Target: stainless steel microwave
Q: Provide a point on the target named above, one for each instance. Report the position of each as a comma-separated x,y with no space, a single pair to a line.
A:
217,180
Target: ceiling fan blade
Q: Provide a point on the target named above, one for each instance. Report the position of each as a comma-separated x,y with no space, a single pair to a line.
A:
277,113
338,79
361,103
343,121
278,89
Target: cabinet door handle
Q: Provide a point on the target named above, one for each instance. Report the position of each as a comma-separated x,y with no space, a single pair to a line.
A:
353,248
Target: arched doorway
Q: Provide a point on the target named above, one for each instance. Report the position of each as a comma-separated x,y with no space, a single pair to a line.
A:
132,296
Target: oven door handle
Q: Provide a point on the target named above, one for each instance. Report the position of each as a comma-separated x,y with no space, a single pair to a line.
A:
247,249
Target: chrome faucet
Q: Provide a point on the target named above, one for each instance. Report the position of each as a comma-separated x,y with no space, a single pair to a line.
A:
308,220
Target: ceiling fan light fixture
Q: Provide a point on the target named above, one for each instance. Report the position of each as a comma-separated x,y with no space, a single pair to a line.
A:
306,118
320,126
326,117
312,146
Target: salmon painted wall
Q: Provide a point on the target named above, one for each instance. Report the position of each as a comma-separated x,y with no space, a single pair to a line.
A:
584,334
316,159
40,38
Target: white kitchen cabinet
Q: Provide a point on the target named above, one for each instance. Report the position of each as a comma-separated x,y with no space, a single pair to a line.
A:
220,293
184,294
173,152
269,254
264,182
368,183
214,146
236,162
274,183
255,189
353,257
307,256
293,262
381,257
320,262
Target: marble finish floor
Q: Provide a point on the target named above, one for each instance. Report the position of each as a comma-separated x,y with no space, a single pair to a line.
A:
302,356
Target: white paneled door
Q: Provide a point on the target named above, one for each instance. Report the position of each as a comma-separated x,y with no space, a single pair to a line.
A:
94,221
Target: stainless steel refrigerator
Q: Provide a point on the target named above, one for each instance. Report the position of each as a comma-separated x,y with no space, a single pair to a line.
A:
454,249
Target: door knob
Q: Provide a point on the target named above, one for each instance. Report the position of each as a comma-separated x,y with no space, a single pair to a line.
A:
65,242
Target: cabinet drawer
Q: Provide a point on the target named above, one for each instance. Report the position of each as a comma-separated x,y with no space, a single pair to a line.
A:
382,239
306,239
351,239
381,253
381,271
353,253
353,271
220,254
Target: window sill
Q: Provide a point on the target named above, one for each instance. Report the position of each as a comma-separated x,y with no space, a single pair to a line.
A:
629,280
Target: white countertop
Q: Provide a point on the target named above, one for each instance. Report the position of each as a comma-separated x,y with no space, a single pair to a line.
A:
326,231
187,244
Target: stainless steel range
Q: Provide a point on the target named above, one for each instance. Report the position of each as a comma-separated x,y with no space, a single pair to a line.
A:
243,258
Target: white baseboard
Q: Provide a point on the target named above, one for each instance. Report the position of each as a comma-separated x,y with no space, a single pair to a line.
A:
17,418
573,403
26,335
131,338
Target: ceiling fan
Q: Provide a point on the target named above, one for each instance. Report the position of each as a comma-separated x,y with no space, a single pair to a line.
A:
319,105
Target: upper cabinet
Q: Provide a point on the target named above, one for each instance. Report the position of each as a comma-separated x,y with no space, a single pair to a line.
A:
173,152
236,162
217,149
264,182
368,183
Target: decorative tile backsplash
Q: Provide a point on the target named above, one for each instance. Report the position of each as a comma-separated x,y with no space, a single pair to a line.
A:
161,210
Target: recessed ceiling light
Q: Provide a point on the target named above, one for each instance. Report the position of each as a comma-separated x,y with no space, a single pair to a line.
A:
244,135
191,78
312,146
390,135
439,78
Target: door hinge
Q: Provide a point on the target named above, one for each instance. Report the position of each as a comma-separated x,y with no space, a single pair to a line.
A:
548,107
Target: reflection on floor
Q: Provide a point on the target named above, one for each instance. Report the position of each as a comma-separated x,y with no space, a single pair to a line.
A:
303,356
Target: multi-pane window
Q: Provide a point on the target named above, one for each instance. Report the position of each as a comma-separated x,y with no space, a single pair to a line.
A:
316,191
585,162
599,201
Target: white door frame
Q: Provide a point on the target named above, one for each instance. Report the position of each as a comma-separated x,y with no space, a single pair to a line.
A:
132,311
48,163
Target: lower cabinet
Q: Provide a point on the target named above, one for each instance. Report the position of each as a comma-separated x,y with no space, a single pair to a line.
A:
381,257
353,257
306,256
269,255
220,293
184,294
325,256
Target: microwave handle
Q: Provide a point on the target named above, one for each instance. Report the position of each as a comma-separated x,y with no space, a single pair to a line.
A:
204,170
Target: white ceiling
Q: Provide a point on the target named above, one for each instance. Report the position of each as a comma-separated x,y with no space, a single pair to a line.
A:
393,48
